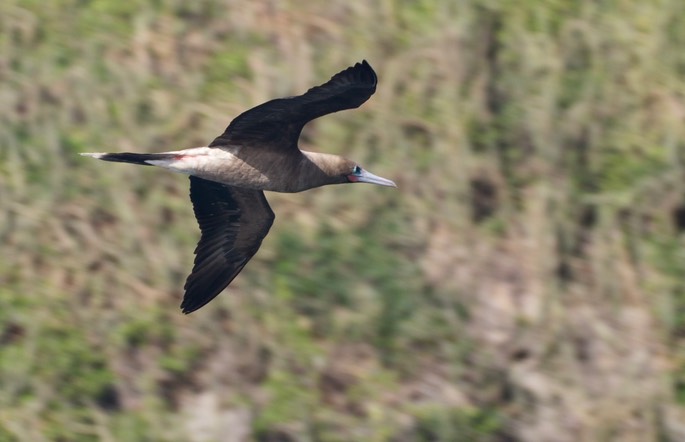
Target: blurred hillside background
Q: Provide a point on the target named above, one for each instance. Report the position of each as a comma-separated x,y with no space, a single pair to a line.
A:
524,283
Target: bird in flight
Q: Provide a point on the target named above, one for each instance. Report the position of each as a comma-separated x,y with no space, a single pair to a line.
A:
258,151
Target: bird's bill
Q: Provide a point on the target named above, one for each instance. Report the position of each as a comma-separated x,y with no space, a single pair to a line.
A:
367,177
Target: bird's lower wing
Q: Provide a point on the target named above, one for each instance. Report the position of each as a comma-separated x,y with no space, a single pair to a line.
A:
233,222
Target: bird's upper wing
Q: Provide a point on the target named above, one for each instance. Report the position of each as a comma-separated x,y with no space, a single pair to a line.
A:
278,123
233,222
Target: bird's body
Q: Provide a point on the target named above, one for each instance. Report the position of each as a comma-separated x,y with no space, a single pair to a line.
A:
261,172
257,152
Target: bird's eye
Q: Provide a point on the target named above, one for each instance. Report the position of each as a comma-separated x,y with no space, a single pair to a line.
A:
357,170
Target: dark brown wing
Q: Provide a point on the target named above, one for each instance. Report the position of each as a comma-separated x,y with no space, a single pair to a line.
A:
278,123
233,222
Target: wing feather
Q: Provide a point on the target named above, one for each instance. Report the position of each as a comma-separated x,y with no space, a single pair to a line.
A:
233,222
278,123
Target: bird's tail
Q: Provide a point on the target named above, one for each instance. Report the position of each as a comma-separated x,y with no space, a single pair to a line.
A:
134,158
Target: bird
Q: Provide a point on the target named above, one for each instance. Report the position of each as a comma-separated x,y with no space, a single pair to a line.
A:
257,152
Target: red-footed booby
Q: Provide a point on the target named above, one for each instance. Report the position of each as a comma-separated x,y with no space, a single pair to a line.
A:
258,151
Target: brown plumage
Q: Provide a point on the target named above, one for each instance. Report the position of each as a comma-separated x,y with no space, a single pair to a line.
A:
258,151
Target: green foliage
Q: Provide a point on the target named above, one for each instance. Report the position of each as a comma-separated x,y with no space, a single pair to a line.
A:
225,69
457,425
621,170
7,436
77,370
327,273
292,400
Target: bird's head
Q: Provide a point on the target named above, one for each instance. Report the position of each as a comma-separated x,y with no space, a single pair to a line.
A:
323,169
357,174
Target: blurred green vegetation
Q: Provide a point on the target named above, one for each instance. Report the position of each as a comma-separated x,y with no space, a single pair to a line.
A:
525,282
